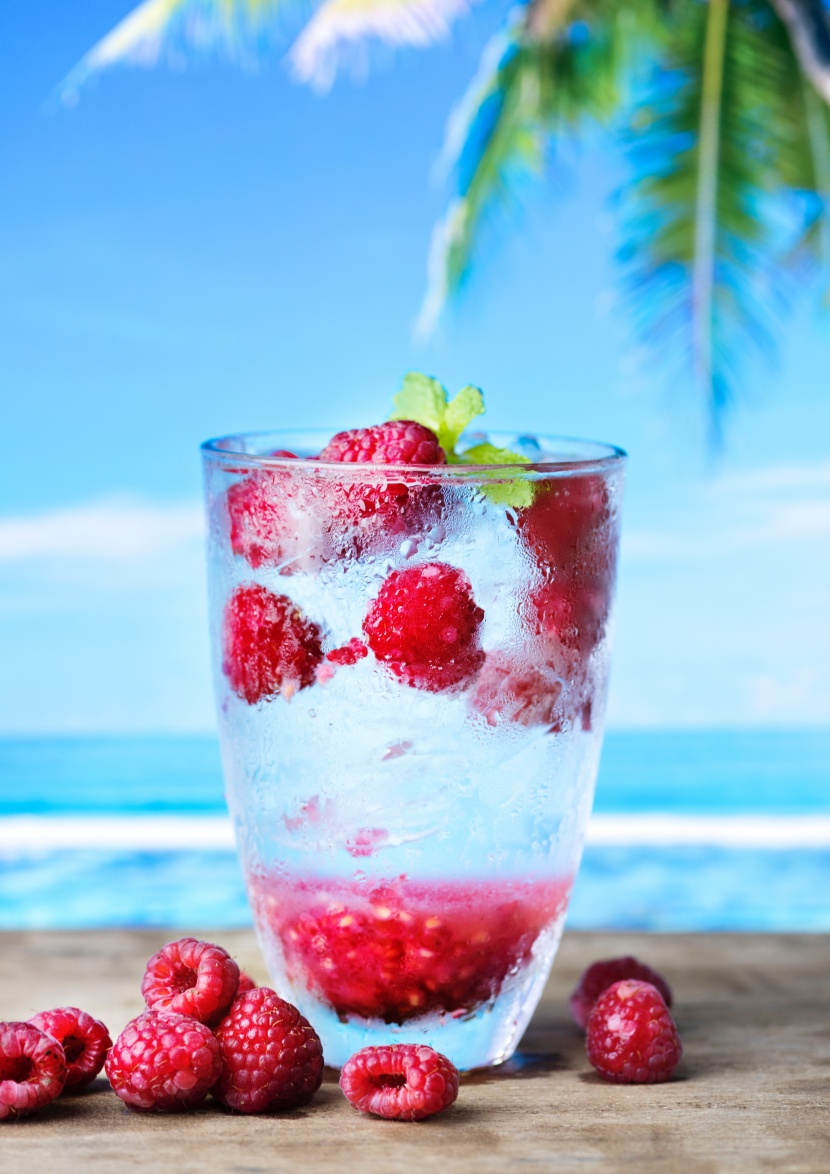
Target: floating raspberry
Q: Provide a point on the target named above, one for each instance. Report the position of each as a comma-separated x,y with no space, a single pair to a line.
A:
400,949
85,1042
397,442
509,691
424,626
164,1062
271,1056
269,645
631,1037
349,653
603,974
32,1069
188,977
370,515
566,515
403,1082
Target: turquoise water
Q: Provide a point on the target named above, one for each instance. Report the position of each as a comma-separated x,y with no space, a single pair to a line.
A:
625,886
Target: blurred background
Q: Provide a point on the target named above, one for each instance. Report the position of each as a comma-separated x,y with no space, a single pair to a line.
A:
613,217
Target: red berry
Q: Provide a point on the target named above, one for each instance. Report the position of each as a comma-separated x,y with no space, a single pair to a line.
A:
246,983
603,974
85,1042
269,645
367,514
424,626
164,1062
404,1082
350,653
509,691
567,514
397,442
271,1056
631,1037
32,1069
401,949
194,978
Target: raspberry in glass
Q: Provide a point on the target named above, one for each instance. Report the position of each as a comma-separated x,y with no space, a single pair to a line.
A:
400,949
631,1037
424,627
507,690
403,1082
85,1042
189,977
397,442
603,974
564,520
164,1063
269,646
271,1055
32,1069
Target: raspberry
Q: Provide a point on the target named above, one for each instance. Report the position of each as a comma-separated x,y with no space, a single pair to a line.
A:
506,691
404,1082
400,949
191,978
164,1062
32,1069
246,983
631,1037
269,645
603,974
350,653
368,515
397,442
271,1056
567,514
424,626
85,1042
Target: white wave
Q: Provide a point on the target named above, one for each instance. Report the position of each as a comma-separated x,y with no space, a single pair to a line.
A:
28,834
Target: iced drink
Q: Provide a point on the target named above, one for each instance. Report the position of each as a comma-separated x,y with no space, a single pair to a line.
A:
411,664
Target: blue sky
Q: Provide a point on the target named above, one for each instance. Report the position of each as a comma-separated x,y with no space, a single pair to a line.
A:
194,252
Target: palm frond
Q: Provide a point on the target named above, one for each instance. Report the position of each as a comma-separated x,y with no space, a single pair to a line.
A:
706,231
159,28
338,27
556,67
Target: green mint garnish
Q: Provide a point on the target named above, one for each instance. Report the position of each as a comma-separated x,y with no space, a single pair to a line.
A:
426,401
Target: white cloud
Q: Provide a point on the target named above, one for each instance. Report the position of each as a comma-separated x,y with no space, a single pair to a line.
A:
739,512
115,529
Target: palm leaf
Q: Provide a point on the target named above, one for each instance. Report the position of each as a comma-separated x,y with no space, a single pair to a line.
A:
706,235
556,68
338,26
158,28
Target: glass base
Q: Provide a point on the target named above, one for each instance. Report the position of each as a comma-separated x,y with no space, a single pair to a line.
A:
480,1038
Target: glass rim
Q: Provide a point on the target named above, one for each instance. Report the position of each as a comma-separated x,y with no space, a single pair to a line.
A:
599,457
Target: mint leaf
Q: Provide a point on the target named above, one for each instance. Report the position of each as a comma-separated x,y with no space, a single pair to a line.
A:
421,399
501,488
425,400
459,414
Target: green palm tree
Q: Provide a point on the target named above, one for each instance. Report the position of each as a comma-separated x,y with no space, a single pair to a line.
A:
722,108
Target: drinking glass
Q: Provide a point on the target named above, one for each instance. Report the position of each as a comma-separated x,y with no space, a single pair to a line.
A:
410,668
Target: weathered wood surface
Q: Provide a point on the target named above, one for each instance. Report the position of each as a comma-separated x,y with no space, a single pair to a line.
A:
753,1091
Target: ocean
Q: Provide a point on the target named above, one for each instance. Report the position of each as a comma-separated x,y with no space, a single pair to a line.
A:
712,830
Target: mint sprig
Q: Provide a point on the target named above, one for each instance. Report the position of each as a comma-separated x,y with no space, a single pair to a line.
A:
426,401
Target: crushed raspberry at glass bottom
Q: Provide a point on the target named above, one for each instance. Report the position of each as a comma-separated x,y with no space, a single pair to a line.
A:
416,955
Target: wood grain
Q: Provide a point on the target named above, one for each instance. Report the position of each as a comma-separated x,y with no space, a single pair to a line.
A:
752,1093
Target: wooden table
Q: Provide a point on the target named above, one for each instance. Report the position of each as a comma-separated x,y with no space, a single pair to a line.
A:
753,1091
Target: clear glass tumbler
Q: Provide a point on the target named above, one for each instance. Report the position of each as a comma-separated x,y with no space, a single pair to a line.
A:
411,668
